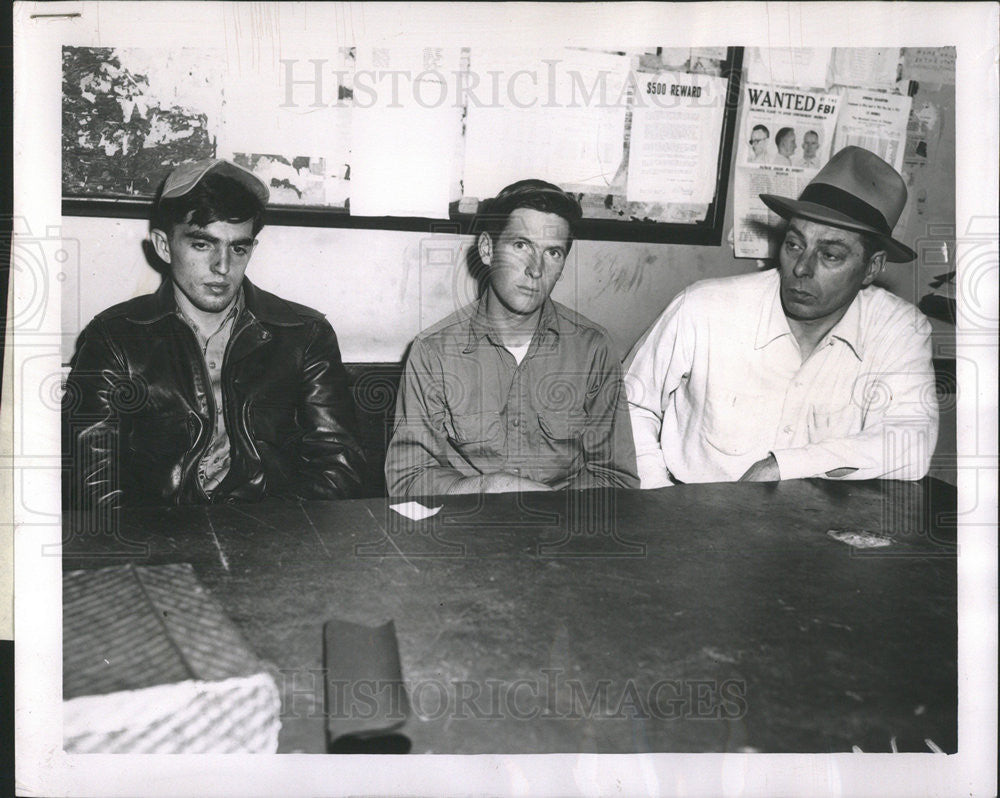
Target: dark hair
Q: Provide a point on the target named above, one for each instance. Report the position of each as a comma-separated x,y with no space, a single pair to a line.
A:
536,194
761,127
216,198
870,244
784,133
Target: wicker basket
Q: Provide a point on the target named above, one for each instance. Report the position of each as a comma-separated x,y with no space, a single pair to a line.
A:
152,665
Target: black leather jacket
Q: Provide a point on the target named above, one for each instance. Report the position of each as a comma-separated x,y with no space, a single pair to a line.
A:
138,411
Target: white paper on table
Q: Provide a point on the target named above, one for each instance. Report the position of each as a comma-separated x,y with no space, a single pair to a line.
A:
876,121
555,116
865,66
804,67
405,131
415,511
675,138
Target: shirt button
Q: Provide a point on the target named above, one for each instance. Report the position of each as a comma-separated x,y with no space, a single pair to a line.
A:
516,422
211,365
788,430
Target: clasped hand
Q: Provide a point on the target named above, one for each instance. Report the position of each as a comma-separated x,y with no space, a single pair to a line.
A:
498,482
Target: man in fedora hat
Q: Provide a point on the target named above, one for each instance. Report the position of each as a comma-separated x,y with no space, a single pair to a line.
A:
209,389
804,371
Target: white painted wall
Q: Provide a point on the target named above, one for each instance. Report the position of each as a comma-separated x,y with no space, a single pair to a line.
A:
380,288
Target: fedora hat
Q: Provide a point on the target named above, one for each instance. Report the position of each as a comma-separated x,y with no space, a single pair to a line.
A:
856,190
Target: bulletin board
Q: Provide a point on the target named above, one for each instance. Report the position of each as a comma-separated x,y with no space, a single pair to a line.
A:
414,140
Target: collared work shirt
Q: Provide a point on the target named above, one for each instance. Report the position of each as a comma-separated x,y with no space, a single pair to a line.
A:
214,465
718,382
466,407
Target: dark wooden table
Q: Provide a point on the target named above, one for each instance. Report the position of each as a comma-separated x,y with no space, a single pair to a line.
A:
692,618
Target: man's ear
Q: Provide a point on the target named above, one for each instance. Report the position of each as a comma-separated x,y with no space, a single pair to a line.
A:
876,263
485,246
161,244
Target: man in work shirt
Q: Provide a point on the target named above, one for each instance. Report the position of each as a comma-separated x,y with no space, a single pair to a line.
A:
514,392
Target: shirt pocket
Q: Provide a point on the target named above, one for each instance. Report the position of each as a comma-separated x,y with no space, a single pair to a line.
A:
474,435
561,439
828,421
731,421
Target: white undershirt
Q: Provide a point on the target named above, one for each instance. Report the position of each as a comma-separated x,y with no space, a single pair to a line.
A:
518,351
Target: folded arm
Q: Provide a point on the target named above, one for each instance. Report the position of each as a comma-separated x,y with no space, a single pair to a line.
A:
416,461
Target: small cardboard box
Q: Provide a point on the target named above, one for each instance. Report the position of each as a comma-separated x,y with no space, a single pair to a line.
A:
152,665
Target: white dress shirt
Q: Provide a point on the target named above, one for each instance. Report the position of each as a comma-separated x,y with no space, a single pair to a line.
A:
718,383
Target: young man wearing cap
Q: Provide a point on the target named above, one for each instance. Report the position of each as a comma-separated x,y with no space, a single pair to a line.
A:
514,392
209,389
804,371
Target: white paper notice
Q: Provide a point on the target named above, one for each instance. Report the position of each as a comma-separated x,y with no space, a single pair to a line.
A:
865,66
674,143
875,121
303,152
415,511
785,137
805,67
559,117
934,65
405,131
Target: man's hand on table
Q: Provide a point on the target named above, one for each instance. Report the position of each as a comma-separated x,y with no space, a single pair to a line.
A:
499,482
765,470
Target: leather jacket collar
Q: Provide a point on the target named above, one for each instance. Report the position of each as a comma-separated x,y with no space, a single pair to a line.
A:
265,307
